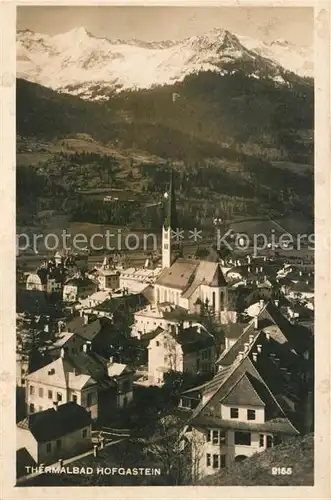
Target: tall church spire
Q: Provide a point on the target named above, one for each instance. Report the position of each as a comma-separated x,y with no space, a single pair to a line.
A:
170,224
171,212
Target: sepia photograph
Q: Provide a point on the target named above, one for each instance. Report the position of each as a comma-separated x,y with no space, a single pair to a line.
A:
165,241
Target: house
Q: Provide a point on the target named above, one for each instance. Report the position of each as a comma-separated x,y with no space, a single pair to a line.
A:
98,332
151,317
62,431
69,341
79,287
82,378
255,401
120,306
96,298
48,278
107,276
190,350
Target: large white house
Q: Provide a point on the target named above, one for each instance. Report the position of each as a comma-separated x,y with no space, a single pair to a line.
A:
191,350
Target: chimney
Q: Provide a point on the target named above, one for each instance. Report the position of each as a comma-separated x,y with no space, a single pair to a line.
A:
246,346
261,304
85,348
85,319
249,269
240,355
62,352
55,405
254,354
256,322
111,359
199,328
300,273
251,339
277,303
259,348
267,335
261,269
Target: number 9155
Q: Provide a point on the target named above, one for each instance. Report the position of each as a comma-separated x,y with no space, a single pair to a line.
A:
281,471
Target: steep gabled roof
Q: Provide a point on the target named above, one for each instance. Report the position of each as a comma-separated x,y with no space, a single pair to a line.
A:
224,387
243,393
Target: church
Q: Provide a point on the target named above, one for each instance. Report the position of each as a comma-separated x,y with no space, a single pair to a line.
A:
191,284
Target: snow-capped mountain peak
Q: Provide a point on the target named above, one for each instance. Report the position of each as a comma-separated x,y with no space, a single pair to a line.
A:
80,63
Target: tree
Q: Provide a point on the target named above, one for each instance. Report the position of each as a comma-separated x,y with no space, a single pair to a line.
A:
166,446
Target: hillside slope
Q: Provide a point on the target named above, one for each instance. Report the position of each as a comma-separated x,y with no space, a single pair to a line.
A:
257,471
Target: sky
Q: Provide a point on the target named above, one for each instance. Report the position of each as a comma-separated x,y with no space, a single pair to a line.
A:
172,23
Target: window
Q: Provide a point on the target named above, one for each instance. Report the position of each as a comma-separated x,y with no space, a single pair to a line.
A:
208,460
234,413
84,433
261,440
48,447
74,398
59,396
157,343
223,461
215,436
269,441
250,414
208,435
216,461
41,392
31,390
31,408
50,394
242,438
186,403
58,444
89,399
214,299
40,408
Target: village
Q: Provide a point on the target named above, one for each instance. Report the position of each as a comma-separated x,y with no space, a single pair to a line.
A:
212,354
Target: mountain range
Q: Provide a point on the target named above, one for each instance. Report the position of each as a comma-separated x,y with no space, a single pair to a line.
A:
78,63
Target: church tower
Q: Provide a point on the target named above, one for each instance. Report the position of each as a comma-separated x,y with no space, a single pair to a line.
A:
170,224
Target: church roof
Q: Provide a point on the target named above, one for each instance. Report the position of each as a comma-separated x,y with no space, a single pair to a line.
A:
187,274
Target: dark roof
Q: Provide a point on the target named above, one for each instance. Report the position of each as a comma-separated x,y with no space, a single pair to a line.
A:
178,275
148,293
191,339
23,460
92,329
80,282
270,319
52,424
243,393
234,330
132,301
267,382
